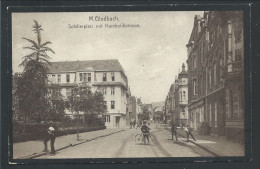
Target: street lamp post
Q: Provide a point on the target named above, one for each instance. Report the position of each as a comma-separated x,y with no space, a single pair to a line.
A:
171,115
77,96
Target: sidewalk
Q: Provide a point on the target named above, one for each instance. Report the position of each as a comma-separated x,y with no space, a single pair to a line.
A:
219,146
31,149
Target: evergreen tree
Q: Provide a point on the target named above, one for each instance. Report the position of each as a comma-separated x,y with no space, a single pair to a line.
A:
32,86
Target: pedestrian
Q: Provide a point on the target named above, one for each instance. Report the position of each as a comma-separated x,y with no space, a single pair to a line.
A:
145,131
188,131
50,134
139,125
174,131
131,124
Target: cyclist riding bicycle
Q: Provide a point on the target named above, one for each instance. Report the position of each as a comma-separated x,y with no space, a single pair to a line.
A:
145,131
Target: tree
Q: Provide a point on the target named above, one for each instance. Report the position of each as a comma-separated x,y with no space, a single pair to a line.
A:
15,98
56,103
39,49
83,100
32,87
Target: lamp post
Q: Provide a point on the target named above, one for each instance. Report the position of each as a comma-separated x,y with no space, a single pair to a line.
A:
77,124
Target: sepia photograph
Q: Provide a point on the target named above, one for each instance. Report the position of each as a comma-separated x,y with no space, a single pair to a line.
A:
132,84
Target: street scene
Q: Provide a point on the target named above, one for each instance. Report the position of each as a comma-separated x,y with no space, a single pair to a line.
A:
120,85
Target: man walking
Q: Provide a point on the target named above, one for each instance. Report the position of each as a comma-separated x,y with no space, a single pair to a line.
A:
174,131
50,134
188,131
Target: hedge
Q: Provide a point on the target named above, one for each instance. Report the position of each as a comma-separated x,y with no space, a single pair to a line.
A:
36,131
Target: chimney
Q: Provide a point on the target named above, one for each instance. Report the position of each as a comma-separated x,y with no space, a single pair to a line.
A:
183,67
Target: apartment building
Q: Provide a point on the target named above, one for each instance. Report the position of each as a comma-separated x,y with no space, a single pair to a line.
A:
215,63
107,76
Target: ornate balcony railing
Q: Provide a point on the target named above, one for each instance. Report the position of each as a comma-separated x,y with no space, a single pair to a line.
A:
216,86
234,67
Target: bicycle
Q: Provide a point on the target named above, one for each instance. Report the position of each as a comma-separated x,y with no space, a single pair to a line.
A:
139,138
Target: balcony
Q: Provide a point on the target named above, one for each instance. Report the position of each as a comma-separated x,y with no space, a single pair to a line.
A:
233,68
215,87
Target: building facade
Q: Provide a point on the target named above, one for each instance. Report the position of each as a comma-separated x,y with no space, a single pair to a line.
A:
177,99
215,63
107,76
132,109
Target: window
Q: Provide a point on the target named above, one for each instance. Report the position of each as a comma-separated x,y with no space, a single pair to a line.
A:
209,77
194,63
107,118
215,73
184,96
113,76
112,104
68,92
80,77
59,78
89,77
112,90
195,86
68,78
104,90
53,78
180,96
105,103
84,77
104,77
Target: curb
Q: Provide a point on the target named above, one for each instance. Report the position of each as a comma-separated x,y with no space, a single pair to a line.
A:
202,147
64,147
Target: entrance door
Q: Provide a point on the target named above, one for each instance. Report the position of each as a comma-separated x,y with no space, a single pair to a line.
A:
117,121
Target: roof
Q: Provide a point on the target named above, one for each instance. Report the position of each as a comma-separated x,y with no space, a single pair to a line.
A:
87,65
183,73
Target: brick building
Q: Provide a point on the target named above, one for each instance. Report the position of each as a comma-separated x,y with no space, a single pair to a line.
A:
215,63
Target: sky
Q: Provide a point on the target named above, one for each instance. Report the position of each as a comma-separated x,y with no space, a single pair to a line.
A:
151,54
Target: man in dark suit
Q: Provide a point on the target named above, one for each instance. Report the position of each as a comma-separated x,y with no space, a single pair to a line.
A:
174,131
50,134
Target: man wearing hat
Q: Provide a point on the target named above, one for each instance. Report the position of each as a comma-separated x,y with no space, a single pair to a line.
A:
174,131
50,134
188,131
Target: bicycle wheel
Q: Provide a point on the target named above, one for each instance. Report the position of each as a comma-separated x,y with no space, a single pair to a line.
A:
138,138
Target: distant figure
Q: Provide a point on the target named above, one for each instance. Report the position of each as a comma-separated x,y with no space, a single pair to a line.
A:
131,124
174,131
145,131
188,131
50,134
139,124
